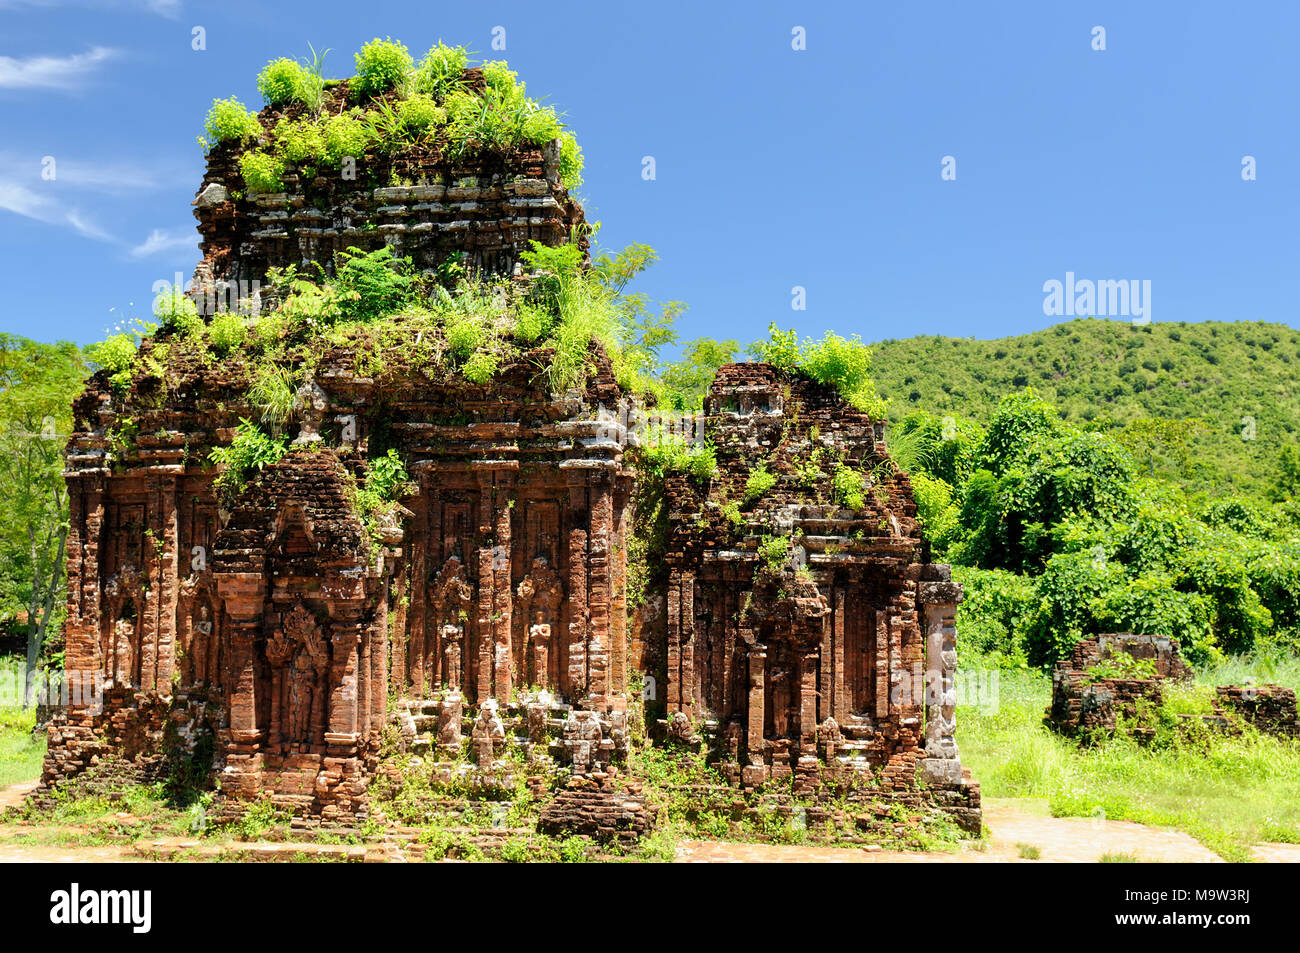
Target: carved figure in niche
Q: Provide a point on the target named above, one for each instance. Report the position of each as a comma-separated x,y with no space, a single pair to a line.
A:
124,648
779,695
451,597
200,643
488,732
452,634
537,723
539,596
539,637
299,658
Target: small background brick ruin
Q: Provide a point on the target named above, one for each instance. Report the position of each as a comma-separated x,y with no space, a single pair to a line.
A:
1091,695
271,637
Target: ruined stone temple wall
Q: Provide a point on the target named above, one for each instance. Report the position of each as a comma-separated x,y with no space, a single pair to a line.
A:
842,657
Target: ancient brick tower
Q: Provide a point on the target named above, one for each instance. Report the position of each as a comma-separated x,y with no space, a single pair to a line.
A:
815,639
271,623
274,635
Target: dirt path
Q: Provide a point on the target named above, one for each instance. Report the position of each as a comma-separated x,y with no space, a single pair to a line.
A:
14,795
1012,822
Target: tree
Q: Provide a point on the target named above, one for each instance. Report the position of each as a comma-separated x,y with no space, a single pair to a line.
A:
1164,445
37,385
1288,482
687,381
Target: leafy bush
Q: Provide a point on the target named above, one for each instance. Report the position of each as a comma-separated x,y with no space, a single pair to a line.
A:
481,366
440,70
346,136
935,508
273,395
251,451
177,313
386,482
842,363
116,354
226,332
850,488
281,81
758,484
571,161
373,284
382,65
993,616
262,171
774,552
300,140
674,455
420,114
229,121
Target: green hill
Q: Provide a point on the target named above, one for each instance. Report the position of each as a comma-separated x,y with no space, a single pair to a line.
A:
1239,378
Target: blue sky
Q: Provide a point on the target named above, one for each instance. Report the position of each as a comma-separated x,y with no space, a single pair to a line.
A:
775,168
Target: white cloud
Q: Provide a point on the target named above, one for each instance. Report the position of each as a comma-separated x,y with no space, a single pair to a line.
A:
42,208
52,72
110,176
161,241
170,9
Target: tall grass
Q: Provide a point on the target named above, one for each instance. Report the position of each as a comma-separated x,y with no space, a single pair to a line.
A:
20,754
1227,791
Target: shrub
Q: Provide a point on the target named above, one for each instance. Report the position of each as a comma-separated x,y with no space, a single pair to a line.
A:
500,79
420,113
229,121
226,332
373,284
281,81
935,508
262,171
440,71
382,65
850,488
532,324
481,366
273,394
345,136
844,363
673,455
116,354
300,140
774,552
781,349
571,162
759,483
251,451
466,333
177,313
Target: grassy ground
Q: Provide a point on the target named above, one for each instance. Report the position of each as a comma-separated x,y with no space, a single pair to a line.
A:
1228,792
20,754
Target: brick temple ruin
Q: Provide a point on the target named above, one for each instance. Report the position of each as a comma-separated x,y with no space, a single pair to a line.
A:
269,637
840,662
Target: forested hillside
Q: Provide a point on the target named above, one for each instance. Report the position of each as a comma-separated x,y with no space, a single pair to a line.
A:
1211,404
